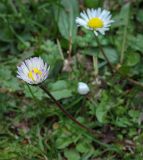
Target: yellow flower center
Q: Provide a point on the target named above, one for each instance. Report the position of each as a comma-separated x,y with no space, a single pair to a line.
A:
95,23
34,71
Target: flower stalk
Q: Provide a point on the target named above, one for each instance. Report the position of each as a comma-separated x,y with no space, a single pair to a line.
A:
65,112
95,65
92,132
34,71
103,53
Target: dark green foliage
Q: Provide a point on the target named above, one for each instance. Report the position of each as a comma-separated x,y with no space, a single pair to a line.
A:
31,126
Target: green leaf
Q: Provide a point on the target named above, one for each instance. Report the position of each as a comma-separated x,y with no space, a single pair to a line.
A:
123,122
63,142
36,91
102,108
132,59
140,15
135,115
8,80
65,17
58,85
122,17
61,94
71,155
49,47
92,3
124,70
111,54
60,89
12,84
135,42
6,35
5,73
83,147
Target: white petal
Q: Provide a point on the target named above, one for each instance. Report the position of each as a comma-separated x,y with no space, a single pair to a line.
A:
30,64
104,15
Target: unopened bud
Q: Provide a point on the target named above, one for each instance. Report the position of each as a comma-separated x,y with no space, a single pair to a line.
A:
83,88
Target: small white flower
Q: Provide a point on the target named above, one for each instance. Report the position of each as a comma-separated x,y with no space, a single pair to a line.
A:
83,88
95,19
33,70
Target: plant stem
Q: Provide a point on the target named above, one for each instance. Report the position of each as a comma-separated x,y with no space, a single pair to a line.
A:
95,65
137,83
60,49
103,53
65,112
70,48
30,90
110,148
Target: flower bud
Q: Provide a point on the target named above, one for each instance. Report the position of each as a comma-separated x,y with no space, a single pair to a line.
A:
83,88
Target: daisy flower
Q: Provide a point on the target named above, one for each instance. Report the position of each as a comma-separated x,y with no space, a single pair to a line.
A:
33,70
95,19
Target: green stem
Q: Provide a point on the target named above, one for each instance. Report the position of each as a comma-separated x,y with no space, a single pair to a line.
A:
13,7
31,92
64,111
111,148
95,65
103,53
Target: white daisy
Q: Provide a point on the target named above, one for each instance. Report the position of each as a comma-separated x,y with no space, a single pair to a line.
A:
33,70
95,19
